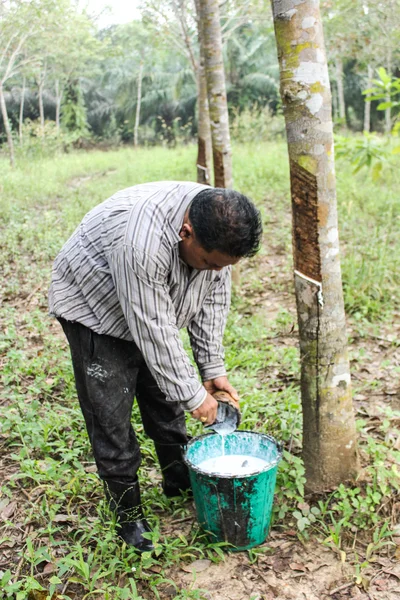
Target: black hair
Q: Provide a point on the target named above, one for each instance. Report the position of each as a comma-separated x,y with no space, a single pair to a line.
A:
226,221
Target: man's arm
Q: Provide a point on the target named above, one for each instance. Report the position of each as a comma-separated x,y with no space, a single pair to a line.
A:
206,330
146,304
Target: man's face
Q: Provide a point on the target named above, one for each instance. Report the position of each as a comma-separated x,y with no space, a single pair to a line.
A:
196,257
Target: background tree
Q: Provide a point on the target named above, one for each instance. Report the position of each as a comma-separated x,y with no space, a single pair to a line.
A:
217,101
18,25
329,435
204,144
384,20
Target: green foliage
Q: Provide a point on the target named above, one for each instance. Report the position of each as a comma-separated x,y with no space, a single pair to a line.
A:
73,110
369,151
40,142
255,124
387,88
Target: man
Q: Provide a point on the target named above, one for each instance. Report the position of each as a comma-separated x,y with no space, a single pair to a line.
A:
152,259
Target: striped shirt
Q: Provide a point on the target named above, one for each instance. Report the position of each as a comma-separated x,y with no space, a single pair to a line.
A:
120,274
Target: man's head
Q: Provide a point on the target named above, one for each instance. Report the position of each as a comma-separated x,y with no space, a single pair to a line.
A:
220,227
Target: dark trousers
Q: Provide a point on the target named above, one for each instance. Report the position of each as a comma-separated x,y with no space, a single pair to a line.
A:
109,373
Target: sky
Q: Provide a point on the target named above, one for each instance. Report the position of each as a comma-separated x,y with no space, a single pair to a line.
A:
120,11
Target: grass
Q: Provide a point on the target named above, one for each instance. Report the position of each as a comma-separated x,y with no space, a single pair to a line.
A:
60,535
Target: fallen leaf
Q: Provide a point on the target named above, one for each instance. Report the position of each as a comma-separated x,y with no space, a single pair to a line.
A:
64,518
197,565
42,595
312,567
155,569
394,571
91,469
48,568
297,567
9,510
286,545
391,391
279,565
3,504
381,584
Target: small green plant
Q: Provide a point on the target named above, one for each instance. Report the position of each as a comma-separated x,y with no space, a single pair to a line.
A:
305,516
386,88
368,151
39,141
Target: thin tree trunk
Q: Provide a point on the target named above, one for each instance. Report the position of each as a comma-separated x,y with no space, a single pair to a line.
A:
329,435
21,109
217,102
58,104
138,103
388,110
367,103
6,124
335,103
204,151
40,98
340,87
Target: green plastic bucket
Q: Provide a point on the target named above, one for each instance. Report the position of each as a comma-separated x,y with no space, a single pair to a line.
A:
234,509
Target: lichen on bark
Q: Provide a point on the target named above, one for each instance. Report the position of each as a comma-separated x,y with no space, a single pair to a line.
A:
329,436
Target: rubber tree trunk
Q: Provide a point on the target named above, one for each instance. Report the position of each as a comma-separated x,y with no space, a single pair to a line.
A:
217,102
329,435
367,103
138,103
204,146
21,109
340,88
6,124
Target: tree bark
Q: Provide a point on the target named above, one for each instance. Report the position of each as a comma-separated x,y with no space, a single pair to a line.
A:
329,435
7,127
58,103
340,88
138,103
217,101
40,98
204,146
367,104
21,109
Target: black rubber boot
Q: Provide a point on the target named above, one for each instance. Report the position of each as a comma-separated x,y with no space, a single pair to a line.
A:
124,500
174,471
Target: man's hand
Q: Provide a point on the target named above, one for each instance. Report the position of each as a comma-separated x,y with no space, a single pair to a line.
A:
221,384
207,412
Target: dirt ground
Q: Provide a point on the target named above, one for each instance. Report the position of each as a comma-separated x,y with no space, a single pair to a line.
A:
290,571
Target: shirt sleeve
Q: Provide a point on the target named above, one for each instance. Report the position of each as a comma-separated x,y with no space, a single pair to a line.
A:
206,330
144,297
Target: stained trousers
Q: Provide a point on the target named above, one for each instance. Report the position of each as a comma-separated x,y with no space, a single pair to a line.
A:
109,374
